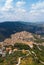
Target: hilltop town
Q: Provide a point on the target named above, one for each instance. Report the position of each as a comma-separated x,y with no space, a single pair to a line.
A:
22,44
21,37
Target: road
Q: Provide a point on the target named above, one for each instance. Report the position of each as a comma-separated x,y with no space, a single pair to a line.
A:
19,61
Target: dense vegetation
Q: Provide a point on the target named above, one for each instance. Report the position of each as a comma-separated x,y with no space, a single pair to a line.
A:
21,46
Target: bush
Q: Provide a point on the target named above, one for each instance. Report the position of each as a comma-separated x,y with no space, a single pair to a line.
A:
21,46
1,59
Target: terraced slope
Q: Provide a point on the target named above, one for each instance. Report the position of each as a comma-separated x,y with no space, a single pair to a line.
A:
24,55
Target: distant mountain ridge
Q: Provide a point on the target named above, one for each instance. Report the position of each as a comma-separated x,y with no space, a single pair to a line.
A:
8,28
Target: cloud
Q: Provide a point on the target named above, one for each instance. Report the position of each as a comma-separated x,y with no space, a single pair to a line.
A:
38,5
19,8
7,5
18,12
20,3
37,12
13,13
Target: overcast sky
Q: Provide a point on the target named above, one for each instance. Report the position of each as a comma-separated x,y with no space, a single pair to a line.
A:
22,10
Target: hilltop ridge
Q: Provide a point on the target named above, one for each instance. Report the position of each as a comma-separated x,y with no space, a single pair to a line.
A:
9,28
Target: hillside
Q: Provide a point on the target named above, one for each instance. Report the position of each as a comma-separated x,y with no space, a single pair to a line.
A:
23,37
22,48
19,37
9,28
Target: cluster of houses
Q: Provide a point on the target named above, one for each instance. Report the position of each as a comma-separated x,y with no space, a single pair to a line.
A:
4,50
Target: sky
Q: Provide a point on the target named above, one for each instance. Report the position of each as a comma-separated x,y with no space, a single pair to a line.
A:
22,10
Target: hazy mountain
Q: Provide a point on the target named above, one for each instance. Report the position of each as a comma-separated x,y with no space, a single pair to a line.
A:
8,28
